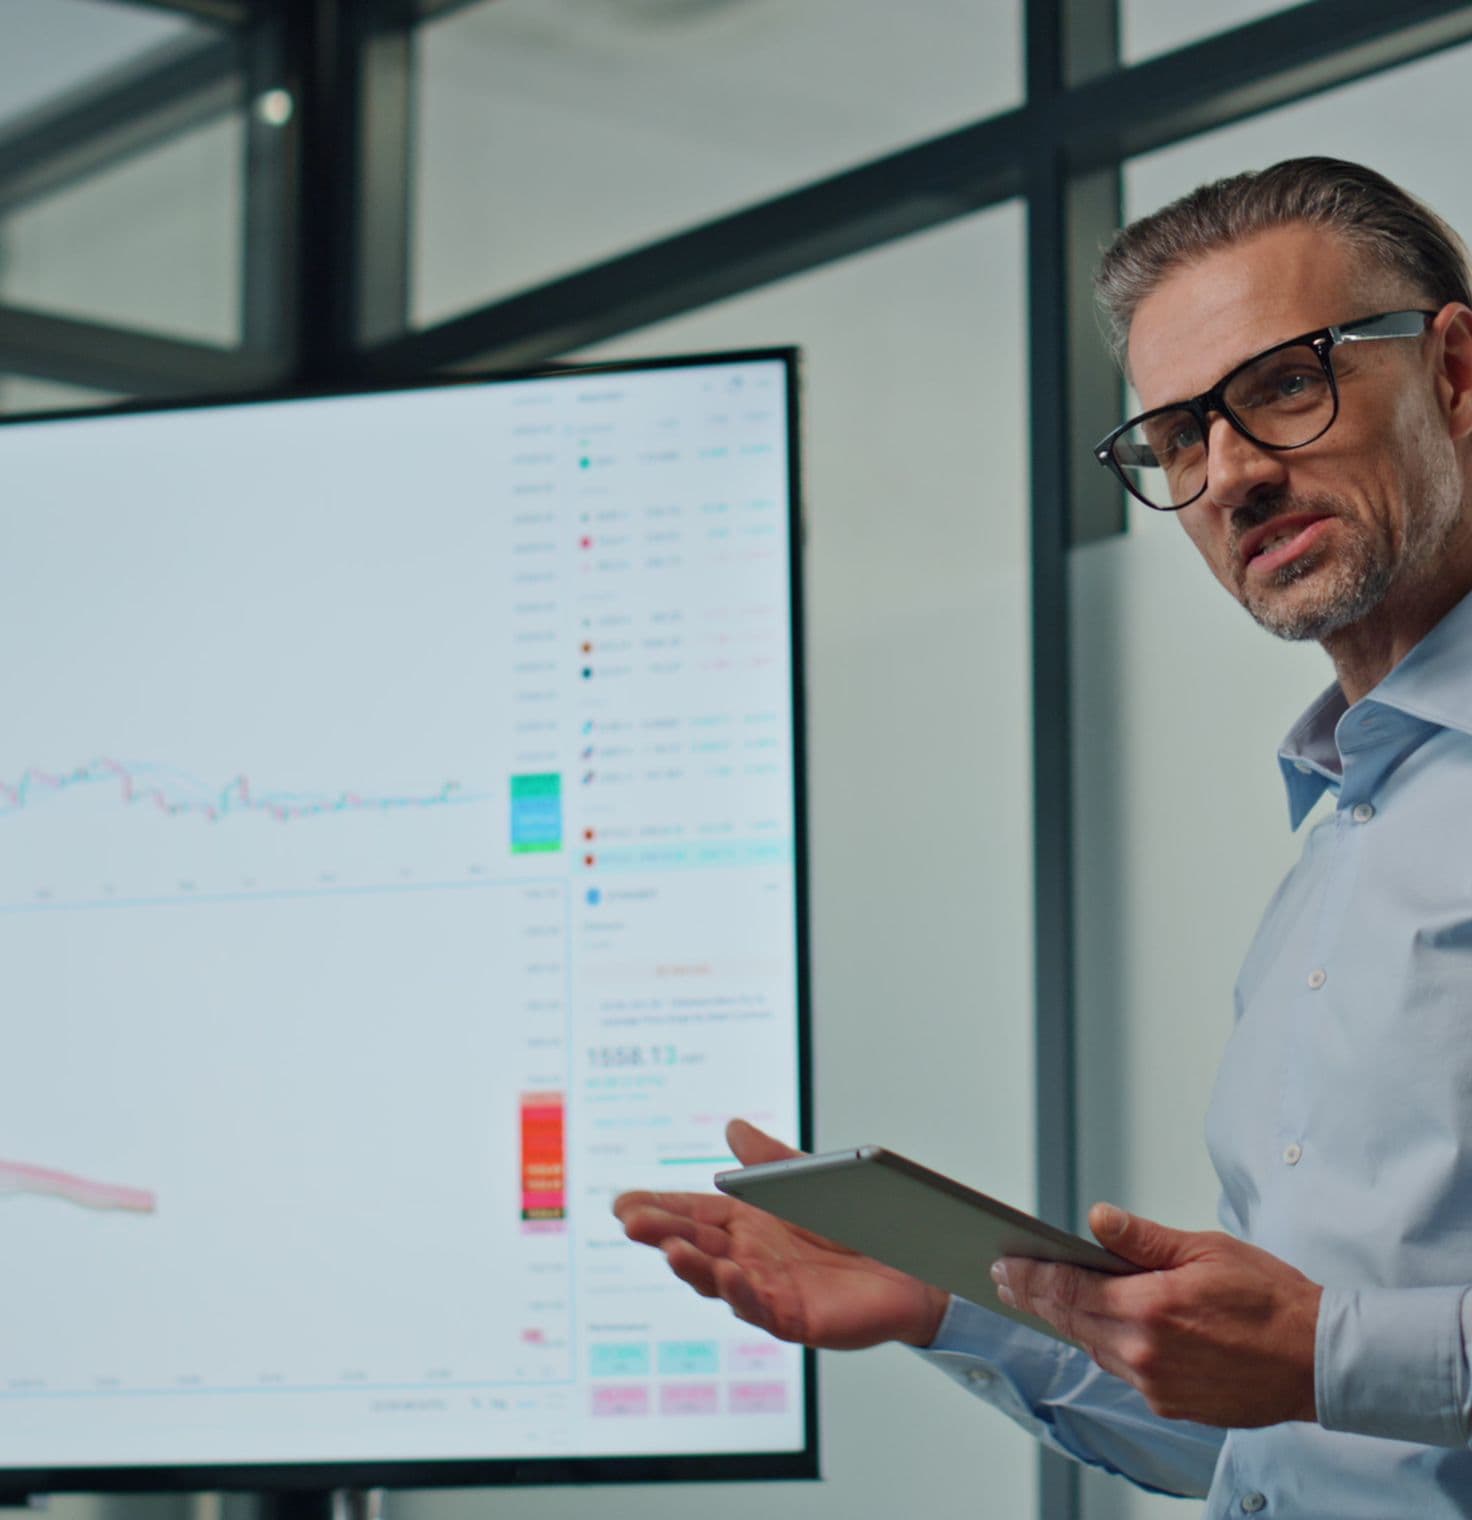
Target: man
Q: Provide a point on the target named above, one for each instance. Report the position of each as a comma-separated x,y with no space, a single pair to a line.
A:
1301,343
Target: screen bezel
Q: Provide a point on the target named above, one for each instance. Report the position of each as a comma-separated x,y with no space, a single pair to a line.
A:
302,1478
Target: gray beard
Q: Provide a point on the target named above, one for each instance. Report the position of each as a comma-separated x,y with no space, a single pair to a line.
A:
1352,586
1367,565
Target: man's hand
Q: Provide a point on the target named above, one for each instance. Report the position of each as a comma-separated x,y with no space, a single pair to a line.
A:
1217,1331
798,1286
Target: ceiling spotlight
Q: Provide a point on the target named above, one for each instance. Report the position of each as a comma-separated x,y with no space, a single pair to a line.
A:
275,107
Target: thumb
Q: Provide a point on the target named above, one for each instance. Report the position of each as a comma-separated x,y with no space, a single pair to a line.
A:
1141,1241
751,1146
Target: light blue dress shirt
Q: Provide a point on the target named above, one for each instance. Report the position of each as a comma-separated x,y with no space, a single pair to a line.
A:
1341,1130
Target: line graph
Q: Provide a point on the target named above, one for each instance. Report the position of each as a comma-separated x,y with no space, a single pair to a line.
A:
84,1192
175,793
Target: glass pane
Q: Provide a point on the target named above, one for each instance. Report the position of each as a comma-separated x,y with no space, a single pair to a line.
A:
1404,123
918,775
552,134
1162,848
55,46
152,242
20,393
1148,28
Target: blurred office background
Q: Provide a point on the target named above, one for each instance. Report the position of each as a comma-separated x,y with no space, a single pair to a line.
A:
1045,809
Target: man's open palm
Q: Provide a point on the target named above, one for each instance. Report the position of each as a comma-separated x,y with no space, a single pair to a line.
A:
793,1284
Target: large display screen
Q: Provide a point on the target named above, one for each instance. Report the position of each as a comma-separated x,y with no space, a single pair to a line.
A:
400,855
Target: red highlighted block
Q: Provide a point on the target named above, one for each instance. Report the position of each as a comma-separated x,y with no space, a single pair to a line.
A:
543,1157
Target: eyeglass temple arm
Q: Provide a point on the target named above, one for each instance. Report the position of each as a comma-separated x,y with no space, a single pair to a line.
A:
1394,324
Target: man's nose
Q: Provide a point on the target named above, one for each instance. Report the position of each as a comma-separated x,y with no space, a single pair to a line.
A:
1237,469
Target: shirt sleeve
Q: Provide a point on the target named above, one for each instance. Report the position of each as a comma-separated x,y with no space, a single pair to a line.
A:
1058,1394
1393,1362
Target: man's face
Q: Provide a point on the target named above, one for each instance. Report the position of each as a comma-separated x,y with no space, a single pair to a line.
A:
1359,515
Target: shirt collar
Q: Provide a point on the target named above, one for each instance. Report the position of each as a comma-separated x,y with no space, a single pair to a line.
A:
1433,683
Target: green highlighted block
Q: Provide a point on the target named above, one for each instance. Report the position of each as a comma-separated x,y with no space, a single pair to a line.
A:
536,814
619,1359
685,1358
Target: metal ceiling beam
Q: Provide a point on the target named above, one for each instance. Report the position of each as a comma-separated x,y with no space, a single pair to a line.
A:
235,13
1114,114
103,357
1069,381
168,91
271,196
322,53
385,190
432,10
351,67
1281,59
903,193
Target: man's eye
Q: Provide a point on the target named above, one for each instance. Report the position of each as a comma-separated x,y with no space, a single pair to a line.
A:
1180,440
1285,385
1294,384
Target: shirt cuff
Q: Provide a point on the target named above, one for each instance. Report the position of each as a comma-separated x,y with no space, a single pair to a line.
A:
1389,1362
974,1344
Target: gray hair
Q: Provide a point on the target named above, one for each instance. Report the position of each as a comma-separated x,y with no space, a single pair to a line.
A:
1385,223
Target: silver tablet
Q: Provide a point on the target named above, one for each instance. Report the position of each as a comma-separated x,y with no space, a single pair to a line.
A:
909,1217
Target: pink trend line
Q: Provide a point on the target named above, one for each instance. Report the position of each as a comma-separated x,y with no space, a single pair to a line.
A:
21,1177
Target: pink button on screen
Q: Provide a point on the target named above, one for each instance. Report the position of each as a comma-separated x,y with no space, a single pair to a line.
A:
754,1356
688,1398
620,1401
758,1398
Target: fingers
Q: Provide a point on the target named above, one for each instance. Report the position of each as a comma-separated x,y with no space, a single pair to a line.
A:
714,1277
1140,1240
1078,1303
741,1297
699,1208
752,1146
692,1266
651,1219
1106,1357
1109,1223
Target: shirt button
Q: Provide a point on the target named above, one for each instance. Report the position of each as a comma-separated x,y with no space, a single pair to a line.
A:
979,1377
1363,812
1293,1154
1252,1503
1317,977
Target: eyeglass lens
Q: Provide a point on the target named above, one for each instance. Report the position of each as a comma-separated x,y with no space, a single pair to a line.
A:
1282,399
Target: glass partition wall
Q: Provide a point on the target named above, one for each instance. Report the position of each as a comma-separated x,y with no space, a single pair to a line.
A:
208,196
136,187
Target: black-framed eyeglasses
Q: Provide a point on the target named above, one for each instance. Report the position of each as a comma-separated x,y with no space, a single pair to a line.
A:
1283,398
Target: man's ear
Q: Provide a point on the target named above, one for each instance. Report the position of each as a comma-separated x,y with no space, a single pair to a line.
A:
1454,380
